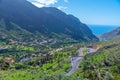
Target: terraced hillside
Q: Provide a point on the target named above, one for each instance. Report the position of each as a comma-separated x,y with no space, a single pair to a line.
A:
101,65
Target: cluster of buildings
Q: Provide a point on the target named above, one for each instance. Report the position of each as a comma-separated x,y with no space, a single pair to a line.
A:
92,48
55,50
9,60
3,48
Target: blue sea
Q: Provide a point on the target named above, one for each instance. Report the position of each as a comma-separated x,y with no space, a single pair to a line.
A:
101,29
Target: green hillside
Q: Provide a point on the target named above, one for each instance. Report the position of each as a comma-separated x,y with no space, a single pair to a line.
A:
101,65
48,44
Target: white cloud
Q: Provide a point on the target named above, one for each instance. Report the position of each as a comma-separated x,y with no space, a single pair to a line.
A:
62,7
65,0
38,4
42,3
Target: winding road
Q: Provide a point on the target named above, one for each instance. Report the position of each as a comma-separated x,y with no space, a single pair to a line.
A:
75,61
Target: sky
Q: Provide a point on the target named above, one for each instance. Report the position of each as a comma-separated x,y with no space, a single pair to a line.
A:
93,12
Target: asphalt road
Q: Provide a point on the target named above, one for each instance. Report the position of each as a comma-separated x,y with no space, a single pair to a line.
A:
75,62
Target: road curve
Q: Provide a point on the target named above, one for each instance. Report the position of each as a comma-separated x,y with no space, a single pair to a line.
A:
75,61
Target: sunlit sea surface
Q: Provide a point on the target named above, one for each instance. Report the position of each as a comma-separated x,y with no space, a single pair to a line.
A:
101,29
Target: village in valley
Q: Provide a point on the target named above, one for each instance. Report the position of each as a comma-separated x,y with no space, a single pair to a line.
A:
33,55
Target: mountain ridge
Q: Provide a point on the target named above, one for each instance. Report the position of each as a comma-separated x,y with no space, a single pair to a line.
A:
46,20
112,34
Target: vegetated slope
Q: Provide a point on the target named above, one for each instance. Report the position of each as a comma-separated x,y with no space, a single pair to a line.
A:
102,65
110,35
47,21
16,32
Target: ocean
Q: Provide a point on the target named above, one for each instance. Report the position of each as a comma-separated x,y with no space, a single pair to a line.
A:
101,29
